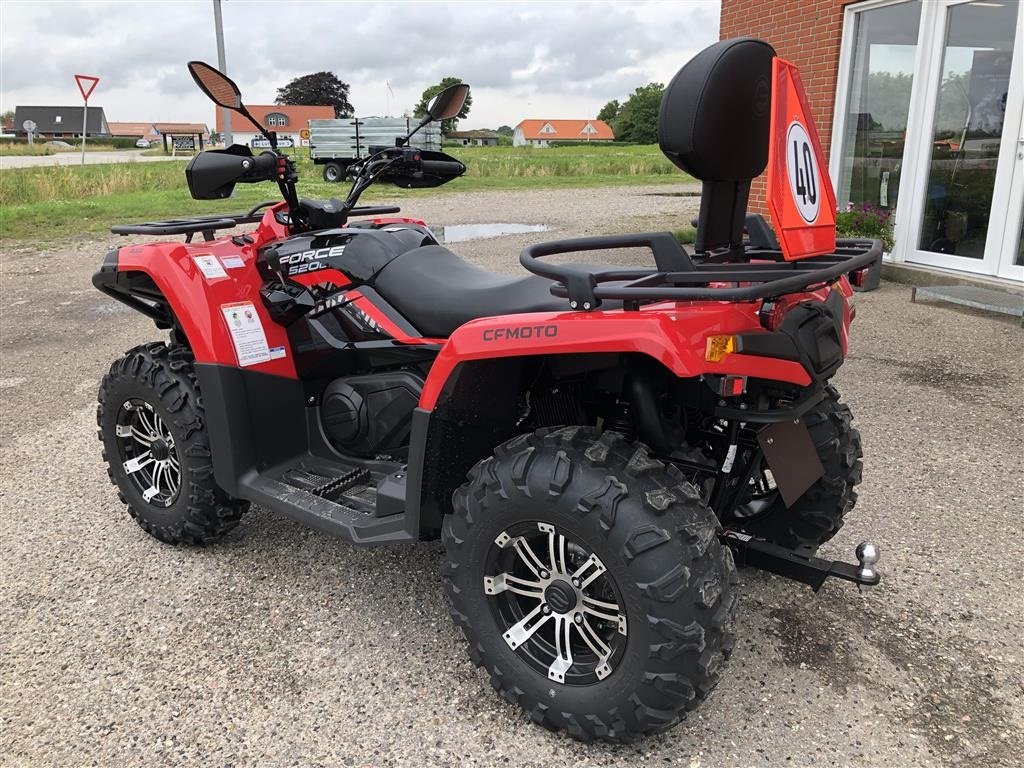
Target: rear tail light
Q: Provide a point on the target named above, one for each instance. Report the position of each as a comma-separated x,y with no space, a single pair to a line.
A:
860,277
771,314
732,386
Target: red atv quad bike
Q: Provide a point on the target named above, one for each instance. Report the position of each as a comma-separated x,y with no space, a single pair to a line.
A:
593,445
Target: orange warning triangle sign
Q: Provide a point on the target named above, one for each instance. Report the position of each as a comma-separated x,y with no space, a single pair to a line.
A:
800,195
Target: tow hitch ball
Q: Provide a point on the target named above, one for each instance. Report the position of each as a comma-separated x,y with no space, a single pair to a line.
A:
805,568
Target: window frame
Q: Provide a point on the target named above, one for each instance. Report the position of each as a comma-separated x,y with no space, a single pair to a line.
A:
843,82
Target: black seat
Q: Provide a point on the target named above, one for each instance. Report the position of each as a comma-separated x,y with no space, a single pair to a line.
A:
437,291
714,123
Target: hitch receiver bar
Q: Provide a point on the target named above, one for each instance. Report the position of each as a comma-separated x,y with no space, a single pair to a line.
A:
807,569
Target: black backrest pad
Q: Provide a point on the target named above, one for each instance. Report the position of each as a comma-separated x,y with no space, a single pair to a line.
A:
715,113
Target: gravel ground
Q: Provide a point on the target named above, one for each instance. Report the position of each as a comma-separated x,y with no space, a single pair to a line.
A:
282,646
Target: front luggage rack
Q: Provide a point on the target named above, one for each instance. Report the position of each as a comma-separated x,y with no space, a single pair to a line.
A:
208,225
677,277
205,224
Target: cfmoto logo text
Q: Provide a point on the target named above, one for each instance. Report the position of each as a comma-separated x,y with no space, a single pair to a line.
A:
521,332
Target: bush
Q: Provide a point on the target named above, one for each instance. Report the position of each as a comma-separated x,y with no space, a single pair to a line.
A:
866,220
686,235
116,143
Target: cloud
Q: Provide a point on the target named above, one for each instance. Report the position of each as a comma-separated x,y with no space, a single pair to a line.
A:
523,54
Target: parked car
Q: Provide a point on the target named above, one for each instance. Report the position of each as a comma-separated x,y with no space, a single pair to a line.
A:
142,143
58,144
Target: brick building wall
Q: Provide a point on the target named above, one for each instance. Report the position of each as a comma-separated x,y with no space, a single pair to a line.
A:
805,32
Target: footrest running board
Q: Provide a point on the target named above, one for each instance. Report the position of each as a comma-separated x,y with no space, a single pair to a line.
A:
334,488
807,569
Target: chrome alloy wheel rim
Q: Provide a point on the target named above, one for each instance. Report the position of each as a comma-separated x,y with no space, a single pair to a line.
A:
148,454
556,604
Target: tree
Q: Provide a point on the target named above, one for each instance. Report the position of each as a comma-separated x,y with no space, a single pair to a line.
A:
637,121
8,116
316,89
609,111
447,126
505,130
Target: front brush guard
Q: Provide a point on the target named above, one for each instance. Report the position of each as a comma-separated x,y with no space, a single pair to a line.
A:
807,569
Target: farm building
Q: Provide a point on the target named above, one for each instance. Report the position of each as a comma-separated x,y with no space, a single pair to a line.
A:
183,135
146,131
286,120
540,132
61,122
473,138
920,108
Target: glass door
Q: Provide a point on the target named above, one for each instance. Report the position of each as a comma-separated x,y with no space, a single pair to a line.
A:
969,162
1011,260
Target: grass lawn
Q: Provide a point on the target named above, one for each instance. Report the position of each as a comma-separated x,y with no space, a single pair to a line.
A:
50,203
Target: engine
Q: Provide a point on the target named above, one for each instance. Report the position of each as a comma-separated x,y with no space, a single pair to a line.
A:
371,415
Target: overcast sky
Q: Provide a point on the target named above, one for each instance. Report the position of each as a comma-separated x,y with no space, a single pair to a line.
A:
523,59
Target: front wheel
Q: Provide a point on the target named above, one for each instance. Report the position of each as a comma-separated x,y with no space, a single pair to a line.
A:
153,428
590,583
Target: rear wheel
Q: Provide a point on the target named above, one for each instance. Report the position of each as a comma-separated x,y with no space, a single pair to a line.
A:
817,515
153,429
590,583
334,172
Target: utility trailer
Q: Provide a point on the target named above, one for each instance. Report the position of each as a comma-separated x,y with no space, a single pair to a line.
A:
335,144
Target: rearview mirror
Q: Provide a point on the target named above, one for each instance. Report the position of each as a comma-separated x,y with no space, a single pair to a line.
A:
448,103
219,87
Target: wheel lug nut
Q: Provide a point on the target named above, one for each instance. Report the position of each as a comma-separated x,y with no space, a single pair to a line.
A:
544,574
546,609
575,582
578,618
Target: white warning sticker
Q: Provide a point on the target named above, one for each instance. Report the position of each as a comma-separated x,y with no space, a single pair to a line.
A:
209,266
246,333
232,262
276,352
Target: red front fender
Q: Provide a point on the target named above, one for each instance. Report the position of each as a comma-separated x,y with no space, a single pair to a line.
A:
673,334
197,300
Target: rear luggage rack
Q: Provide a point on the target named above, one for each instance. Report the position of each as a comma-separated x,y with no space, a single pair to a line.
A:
763,275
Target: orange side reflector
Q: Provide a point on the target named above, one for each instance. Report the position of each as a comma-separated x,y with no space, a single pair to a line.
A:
718,347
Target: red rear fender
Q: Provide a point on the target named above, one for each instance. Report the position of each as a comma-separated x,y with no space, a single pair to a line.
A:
674,335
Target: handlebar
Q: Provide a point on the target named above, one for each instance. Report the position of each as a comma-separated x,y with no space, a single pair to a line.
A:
442,167
263,168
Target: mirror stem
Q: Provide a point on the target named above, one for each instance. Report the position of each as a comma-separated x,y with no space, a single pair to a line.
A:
405,141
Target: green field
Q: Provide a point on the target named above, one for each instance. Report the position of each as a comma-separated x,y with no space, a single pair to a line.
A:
61,201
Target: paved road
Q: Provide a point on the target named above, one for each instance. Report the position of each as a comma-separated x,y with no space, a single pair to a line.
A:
75,158
281,646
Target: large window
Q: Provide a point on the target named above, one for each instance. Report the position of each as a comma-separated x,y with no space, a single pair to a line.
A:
967,127
880,79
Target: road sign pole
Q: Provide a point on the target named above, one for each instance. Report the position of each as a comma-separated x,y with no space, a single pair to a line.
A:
218,24
85,124
86,85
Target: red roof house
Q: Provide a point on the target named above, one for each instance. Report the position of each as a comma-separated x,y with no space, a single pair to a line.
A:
540,132
276,117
